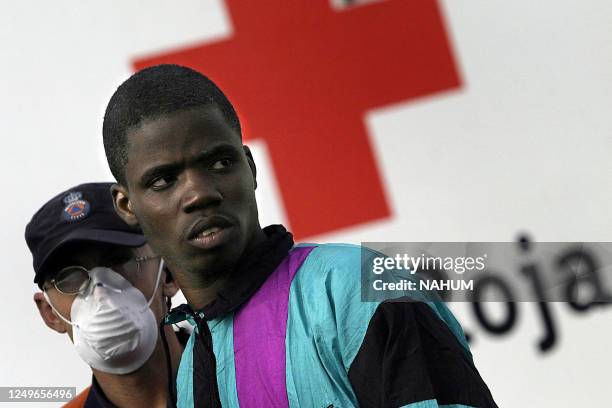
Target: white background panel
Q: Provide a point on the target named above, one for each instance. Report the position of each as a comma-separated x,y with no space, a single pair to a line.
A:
524,145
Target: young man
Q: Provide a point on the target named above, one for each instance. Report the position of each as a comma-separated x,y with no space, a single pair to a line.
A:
277,325
104,286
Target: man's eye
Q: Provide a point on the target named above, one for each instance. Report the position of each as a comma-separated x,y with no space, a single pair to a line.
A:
222,164
159,183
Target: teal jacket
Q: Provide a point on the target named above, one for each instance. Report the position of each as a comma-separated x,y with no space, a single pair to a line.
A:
301,336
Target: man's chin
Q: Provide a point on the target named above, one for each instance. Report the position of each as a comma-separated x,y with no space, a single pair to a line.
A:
214,265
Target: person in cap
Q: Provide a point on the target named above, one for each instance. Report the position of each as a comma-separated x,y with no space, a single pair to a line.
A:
104,287
277,324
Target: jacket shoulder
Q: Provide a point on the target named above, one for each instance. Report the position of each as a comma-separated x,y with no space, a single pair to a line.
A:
339,267
337,257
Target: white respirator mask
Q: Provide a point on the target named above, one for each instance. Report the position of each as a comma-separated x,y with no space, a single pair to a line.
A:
114,329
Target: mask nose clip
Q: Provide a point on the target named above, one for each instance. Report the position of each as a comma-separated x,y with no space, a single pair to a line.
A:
99,284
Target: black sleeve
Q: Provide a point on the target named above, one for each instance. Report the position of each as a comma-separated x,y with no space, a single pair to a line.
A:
410,355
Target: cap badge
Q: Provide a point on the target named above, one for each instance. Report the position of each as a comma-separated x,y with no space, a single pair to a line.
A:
76,208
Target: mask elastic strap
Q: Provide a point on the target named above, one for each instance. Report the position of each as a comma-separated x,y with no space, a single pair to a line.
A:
159,271
55,310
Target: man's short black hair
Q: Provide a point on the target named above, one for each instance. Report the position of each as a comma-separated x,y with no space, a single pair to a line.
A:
153,92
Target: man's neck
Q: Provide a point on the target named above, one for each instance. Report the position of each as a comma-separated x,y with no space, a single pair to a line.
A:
201,296
147,386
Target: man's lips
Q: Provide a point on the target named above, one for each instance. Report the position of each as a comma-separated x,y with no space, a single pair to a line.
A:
213,238
209,232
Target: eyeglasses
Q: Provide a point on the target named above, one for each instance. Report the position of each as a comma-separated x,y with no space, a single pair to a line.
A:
75,279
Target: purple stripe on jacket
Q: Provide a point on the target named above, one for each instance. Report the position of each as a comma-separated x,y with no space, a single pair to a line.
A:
259,338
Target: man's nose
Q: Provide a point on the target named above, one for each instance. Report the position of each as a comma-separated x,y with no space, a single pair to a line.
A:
200,191
105,286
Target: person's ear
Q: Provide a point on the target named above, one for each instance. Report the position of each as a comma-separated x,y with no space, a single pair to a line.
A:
123,206
48,315
251,162
169,285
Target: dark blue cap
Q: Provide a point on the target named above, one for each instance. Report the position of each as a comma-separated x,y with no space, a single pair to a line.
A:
82,213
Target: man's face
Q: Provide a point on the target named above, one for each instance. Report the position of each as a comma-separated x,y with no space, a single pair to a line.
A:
122,260
191,187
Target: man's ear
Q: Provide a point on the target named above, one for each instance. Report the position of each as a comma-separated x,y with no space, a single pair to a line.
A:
249,156
123,207
169,286
48,315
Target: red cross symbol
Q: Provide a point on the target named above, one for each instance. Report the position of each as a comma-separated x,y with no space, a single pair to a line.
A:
302,75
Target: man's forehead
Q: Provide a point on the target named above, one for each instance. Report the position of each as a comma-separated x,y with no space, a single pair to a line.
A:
199,125
176,138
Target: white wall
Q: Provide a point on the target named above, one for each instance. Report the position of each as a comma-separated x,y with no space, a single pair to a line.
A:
523,146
